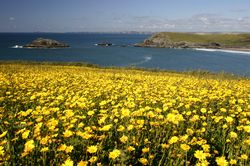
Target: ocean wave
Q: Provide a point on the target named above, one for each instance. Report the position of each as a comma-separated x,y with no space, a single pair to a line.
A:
221,50
145,59
17,46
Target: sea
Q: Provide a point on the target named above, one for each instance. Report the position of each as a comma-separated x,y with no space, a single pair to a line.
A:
122,53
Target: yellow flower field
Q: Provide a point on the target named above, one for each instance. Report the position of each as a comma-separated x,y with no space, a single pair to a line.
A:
68,115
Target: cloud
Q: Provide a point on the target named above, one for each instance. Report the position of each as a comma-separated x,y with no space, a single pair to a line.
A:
11,18
239,10
212,22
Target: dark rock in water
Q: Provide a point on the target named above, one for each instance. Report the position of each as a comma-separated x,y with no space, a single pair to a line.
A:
46,43
106,44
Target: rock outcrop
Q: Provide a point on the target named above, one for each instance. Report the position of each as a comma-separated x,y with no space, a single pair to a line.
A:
46,43
106,44
159,41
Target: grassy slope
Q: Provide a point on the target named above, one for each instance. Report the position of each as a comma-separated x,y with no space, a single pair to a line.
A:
229,40
68,110
197,73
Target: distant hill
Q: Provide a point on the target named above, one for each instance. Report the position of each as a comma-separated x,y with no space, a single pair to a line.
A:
198,40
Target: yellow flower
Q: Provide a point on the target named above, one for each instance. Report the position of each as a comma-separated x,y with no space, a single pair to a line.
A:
93,159
183,138
131,148
80,125
25,134
52,124
247,128
84,135
1,151
114,154
224,126
69,149
174,118
233,162
202,163
121,128
221,161
130,127
164,146
90,113
3,134
205,147
247,141
190,131
203,110
45,149
28,147
82,163
244,157
106,127
229,119
102,120
67,133
62,147
195,118
173,139
68,162
92,149
200,155
233,134
125,112
144,161
185,147
124,139
69,113
116,120
44,140
145,150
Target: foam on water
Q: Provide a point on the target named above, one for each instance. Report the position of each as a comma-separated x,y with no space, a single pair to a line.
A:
145,59
219,50
17,46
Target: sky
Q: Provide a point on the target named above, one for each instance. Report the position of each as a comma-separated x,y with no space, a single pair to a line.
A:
124,15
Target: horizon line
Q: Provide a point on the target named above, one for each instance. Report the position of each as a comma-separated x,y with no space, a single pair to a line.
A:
131,32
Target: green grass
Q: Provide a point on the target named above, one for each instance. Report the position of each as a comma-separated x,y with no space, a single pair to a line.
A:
197,73
229,40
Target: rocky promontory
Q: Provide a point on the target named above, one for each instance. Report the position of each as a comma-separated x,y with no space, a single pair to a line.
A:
46,43
197,40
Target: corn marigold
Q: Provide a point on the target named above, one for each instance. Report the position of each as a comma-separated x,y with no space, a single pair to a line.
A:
92,149
114,154
221,161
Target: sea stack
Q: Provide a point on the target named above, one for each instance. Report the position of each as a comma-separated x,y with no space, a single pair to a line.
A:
46,43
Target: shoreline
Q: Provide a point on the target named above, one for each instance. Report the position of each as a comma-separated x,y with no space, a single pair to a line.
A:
231,50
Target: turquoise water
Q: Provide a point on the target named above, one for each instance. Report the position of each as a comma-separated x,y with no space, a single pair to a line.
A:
122,53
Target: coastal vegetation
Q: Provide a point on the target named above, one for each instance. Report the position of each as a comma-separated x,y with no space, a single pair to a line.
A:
78,115
198,40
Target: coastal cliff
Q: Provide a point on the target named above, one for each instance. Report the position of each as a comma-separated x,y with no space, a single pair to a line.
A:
197,40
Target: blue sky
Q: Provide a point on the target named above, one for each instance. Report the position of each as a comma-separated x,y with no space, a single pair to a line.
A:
124,15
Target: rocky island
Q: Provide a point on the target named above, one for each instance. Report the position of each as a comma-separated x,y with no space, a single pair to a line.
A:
45,43
231,41
105,44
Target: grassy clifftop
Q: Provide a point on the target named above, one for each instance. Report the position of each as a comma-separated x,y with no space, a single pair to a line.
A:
184,40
